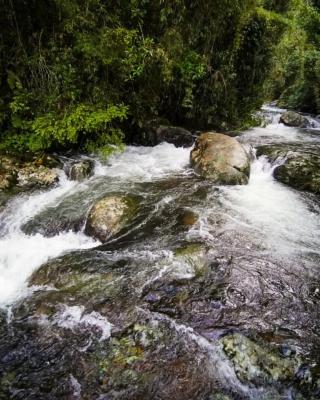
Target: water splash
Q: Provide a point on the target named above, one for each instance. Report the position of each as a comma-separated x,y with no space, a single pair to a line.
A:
73,317
21,255
275,212
146,163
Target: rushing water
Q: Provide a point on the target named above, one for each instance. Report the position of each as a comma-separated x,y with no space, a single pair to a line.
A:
257,273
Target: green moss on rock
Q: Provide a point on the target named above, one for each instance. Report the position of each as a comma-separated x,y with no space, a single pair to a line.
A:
258,364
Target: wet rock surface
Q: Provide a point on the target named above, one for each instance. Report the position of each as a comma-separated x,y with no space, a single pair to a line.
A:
221,159
154,134
20,175
300,168
292,118
30,177
169,313
257,364
80,170
109,215
111,323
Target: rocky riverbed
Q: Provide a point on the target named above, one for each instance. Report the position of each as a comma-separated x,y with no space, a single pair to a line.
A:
197,291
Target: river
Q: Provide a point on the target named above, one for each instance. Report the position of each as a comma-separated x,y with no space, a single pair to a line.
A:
150,314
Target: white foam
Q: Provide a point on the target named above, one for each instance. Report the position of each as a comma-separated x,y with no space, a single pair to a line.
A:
76,387
146,163
274,132
21,255
278,213
24,207
72,317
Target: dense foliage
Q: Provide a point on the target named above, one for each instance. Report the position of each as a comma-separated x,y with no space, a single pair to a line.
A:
295,77
79,73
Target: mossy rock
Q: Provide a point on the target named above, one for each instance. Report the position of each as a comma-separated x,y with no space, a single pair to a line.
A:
110,215
300,168
257,364
301,172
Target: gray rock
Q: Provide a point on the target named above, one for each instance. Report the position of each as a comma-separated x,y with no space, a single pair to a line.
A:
109,215
81,170
151,135
220,158
301,172
291,118
301,166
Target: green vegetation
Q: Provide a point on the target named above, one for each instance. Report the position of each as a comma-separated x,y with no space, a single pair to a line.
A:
80,74
295,76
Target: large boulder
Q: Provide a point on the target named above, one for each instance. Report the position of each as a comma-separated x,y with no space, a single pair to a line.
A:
301,172
220,158
153,134
81,170
291,118
109,215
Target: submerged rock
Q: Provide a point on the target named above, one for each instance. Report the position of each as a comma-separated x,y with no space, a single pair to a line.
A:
220,158
274,152
292,118
49,225
81,170
61,216
188,218
109,215
153,134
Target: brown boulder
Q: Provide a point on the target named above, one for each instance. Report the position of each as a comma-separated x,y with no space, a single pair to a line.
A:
109,215
220,158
